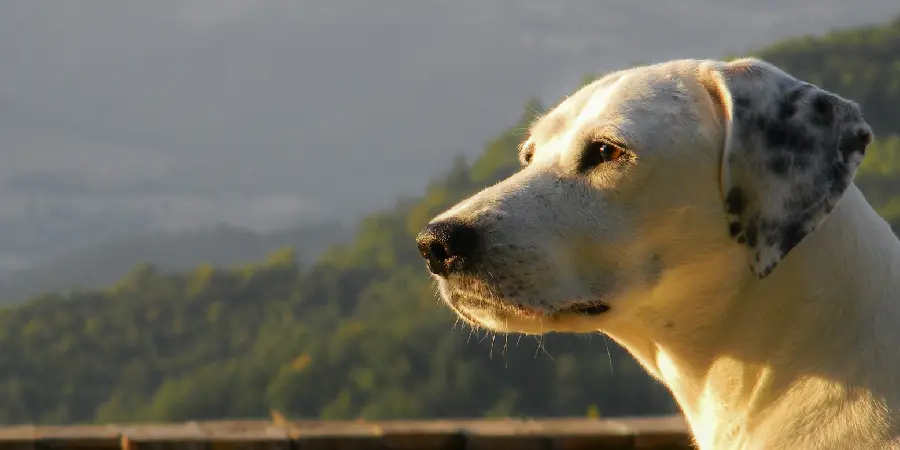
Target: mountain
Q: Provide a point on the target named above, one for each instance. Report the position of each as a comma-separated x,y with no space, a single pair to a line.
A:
359,333
95,266
124,118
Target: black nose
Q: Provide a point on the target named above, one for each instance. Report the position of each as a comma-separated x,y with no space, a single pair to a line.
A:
447,246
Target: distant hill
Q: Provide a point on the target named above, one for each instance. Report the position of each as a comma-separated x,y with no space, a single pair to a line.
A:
359,333
102,264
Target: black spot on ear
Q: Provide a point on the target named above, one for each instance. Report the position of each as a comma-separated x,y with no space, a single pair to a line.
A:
742,107
752,232
788,106
822,112
760,123
787,110
779,165
837,178
734,228
800,203
795,139
776,135
735,202
854,142
791,235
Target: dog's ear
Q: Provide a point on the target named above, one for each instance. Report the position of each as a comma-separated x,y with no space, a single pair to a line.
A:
791,149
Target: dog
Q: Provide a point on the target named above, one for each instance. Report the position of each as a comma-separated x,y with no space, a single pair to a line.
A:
704,215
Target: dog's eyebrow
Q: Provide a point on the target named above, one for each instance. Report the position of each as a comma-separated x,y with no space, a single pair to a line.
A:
547,126
612,134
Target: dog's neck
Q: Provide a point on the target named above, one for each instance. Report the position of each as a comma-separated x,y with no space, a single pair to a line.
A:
814,346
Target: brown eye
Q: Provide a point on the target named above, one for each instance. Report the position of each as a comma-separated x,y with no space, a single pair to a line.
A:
598,152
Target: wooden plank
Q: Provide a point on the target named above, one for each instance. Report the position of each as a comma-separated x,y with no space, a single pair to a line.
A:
668,433
217,435
506,434
593,442
18,437
78,437
450,434
586,434
500,442
346,442
323,435
420,435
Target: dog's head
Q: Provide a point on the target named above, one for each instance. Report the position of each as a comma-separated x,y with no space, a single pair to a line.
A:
638,184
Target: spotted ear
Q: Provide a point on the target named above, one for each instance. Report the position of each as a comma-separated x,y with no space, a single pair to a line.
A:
791,150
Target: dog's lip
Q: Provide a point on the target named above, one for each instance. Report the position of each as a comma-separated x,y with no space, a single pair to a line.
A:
587,309
582,309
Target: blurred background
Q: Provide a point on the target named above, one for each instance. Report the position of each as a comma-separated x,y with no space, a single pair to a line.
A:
207,207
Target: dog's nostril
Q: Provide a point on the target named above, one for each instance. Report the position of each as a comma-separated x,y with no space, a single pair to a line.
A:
436,251
446,246
462,241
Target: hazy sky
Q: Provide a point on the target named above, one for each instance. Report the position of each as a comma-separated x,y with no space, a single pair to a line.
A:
118,116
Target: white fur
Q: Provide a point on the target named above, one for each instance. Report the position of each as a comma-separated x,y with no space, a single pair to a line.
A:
804,358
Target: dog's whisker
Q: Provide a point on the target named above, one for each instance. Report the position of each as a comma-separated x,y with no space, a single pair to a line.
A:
506,350
608,355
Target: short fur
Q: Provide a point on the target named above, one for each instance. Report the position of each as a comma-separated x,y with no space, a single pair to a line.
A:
727,165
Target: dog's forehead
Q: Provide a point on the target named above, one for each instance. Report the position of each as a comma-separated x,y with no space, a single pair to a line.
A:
636,104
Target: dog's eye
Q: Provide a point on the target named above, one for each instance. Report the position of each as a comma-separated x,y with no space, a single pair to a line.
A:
598,152
526,158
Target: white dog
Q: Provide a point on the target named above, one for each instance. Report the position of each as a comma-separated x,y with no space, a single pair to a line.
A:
644,198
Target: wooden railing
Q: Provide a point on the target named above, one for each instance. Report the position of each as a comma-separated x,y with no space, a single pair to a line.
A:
501,434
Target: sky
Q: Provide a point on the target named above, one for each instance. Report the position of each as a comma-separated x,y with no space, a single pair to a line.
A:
120,118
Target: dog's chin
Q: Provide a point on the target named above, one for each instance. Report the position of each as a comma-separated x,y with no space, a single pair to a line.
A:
505,317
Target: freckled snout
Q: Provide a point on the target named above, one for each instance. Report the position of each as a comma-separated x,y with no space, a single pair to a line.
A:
448,247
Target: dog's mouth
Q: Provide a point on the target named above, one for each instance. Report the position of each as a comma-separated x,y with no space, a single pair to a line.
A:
478,304
591,309
510,316
581,309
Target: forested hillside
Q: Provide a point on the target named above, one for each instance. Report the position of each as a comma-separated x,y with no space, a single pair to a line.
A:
361,333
